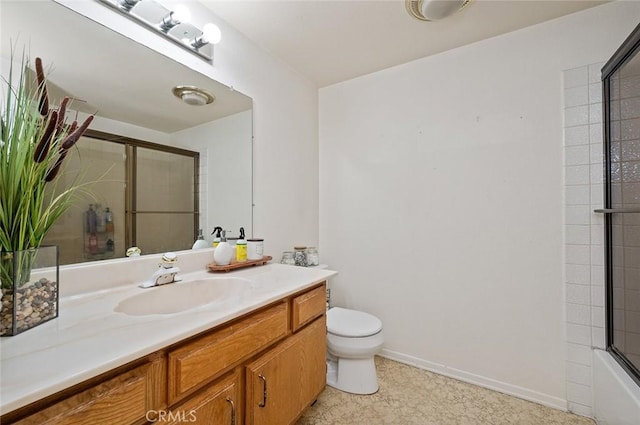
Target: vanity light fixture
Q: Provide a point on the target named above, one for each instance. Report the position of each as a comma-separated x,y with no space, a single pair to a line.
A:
433,10
172,24
210,34
175,17
192,95
127,4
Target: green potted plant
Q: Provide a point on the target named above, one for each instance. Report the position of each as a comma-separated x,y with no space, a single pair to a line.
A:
34,141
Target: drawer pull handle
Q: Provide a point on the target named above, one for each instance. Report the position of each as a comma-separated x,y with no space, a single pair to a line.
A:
263,403
233,410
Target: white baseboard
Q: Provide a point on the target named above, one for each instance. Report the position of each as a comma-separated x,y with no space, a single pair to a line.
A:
482,381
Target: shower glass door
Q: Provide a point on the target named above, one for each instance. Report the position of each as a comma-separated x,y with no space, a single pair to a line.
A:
164,213
621,82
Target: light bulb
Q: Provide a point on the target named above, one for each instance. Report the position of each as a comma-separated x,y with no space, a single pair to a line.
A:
211,34
181,13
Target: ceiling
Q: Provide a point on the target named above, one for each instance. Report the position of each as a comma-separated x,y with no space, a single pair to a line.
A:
332,41
326,41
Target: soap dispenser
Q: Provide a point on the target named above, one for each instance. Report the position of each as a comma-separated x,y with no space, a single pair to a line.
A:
223,252
241,247
217,238
200,243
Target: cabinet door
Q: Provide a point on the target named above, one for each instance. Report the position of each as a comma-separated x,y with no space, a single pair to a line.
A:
288,378
219,404
313,362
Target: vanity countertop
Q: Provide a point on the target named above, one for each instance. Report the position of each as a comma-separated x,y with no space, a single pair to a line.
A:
89,338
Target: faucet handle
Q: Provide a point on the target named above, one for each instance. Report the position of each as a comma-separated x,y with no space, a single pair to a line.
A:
169,259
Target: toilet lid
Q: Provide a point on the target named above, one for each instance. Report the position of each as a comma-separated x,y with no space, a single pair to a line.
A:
352,323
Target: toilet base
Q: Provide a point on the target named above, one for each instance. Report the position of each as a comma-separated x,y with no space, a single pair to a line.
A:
356,376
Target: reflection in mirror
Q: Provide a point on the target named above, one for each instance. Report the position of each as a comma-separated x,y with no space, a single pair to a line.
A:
129,88
163,205
93,159
137,188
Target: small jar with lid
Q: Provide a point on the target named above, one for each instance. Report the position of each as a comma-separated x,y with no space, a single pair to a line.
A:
300,255
313,259
287,258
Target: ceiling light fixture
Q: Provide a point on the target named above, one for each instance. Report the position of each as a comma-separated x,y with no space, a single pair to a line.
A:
172,24
433,10
192,95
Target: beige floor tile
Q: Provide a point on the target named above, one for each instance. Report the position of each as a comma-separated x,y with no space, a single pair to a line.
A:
412,396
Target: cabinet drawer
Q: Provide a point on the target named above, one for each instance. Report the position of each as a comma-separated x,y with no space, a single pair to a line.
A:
308,306
124,399
196,363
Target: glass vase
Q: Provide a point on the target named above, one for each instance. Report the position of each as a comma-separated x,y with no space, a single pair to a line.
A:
29,282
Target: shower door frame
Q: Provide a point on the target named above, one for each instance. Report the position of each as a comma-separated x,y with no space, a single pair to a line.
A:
131,145
629,48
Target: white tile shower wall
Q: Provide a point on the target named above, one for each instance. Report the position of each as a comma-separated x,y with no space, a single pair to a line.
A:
584,252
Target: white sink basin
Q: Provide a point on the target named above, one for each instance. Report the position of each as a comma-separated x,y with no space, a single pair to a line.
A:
182,296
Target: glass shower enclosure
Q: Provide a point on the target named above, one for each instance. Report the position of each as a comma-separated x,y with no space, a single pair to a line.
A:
621,85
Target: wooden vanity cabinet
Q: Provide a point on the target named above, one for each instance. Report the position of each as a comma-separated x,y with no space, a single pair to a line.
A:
282,378
262,368
288,378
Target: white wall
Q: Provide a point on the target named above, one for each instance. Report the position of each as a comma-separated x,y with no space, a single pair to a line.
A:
441,201
129,130
285,122
225,148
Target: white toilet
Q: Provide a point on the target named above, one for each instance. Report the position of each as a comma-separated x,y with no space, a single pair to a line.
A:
353,338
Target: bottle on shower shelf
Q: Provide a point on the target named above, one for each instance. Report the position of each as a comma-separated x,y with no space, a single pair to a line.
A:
92,220
100,219
108,218
93,243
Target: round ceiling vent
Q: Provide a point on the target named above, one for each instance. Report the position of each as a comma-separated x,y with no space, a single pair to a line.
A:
433,10
192,95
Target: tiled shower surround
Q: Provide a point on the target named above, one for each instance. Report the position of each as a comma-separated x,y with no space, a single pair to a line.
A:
584,231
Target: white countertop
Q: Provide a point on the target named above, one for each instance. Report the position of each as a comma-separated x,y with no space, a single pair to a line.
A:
89,338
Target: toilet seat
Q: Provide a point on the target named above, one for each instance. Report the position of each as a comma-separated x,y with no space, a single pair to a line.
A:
351,323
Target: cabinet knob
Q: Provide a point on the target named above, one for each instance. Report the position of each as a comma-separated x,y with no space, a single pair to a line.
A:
263,403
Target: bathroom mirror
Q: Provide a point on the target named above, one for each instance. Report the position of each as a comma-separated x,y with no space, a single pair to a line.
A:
129,88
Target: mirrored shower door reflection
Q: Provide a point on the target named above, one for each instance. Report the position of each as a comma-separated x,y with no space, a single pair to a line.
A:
163,205
103,163
142,194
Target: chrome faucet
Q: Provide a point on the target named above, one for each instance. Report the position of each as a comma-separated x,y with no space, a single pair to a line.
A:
166,272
